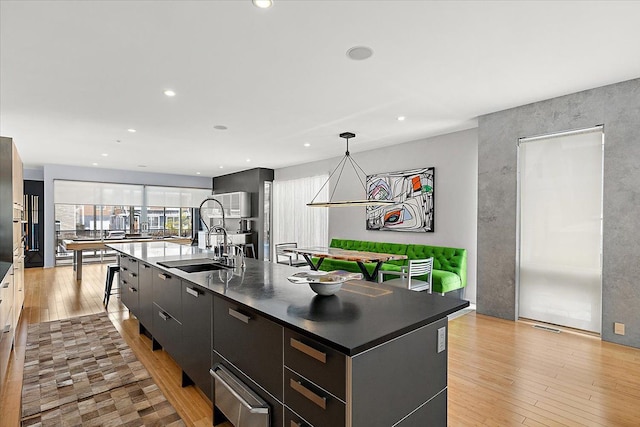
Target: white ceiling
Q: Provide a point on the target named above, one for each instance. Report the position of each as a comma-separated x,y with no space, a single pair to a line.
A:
75,75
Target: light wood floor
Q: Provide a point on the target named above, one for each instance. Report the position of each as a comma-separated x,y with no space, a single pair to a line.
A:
501,373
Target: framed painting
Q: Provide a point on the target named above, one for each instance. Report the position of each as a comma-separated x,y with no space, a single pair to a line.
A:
414,197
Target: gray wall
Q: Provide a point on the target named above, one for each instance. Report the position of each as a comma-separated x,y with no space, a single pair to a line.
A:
455,157
618,108
251,181
52,172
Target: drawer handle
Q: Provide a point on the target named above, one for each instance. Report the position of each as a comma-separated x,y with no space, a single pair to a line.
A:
239,316
192,291
123,268
133,260
318,400
164,276
132,289
132,274
5,285
308,350
163,316
145,266
124,282
237,389
295,424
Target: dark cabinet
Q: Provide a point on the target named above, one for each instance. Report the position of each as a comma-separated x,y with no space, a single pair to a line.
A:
167,292
167,332
128,277
294,420
250,342
145,298
167,313
312,402
319,363
196,336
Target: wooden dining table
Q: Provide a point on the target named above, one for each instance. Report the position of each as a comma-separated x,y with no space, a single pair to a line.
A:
360,257
79,245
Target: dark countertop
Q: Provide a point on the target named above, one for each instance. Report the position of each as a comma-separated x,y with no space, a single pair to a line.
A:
358,317
4,268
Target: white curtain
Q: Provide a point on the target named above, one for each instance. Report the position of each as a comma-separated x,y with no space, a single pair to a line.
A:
561,230
105,193
96,193
293,220
176,197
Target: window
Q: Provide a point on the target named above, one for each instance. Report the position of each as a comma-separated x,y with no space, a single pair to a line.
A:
95,210
293,220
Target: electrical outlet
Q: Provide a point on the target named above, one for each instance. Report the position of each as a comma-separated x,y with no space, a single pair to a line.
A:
442,339
618,328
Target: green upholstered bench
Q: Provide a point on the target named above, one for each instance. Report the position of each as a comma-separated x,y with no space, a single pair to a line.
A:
449,264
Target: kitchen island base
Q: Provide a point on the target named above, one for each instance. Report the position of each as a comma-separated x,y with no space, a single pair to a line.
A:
370,355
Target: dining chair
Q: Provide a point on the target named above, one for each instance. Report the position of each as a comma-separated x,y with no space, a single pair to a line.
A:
292,259
416,267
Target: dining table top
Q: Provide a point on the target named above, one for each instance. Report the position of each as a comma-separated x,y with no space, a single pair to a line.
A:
346,254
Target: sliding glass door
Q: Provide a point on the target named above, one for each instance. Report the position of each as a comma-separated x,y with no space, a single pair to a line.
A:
560,221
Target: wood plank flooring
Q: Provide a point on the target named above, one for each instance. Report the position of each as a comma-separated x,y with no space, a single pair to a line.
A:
501,373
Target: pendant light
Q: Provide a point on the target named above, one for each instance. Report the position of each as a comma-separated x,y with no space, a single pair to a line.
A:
360,173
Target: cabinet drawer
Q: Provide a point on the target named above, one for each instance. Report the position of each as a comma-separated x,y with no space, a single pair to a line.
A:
145,297
250,342
293,420
313,403
167,292
129,294
276,409
6,298
168,331
197,307
319,363
130,264
130,276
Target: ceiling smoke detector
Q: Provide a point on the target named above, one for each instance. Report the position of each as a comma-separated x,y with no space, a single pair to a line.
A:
359,53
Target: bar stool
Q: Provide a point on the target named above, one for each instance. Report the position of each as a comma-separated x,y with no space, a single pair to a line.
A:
249,246
112,269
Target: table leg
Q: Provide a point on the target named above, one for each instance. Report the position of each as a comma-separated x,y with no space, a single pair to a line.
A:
313,266
370,277
77,266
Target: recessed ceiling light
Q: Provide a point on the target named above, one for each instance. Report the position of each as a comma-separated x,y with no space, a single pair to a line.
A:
94,164
142,166
197,173
220,127
262,4
306,144
401,118
221,167
169,92
358,53
248,160
104,154
131,130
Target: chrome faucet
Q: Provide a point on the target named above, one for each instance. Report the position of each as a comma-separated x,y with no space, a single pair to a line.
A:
216,228
219,229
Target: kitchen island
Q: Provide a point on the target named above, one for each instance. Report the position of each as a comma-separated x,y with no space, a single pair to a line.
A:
370,355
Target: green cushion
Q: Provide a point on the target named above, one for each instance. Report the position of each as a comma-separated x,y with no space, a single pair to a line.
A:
449,264
453,260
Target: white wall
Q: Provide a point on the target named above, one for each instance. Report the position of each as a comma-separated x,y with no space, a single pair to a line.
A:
455,158
52,172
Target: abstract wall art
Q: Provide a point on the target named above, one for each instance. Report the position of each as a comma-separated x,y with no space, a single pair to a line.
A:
413,194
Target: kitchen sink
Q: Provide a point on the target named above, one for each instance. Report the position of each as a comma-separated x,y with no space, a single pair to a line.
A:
194,265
